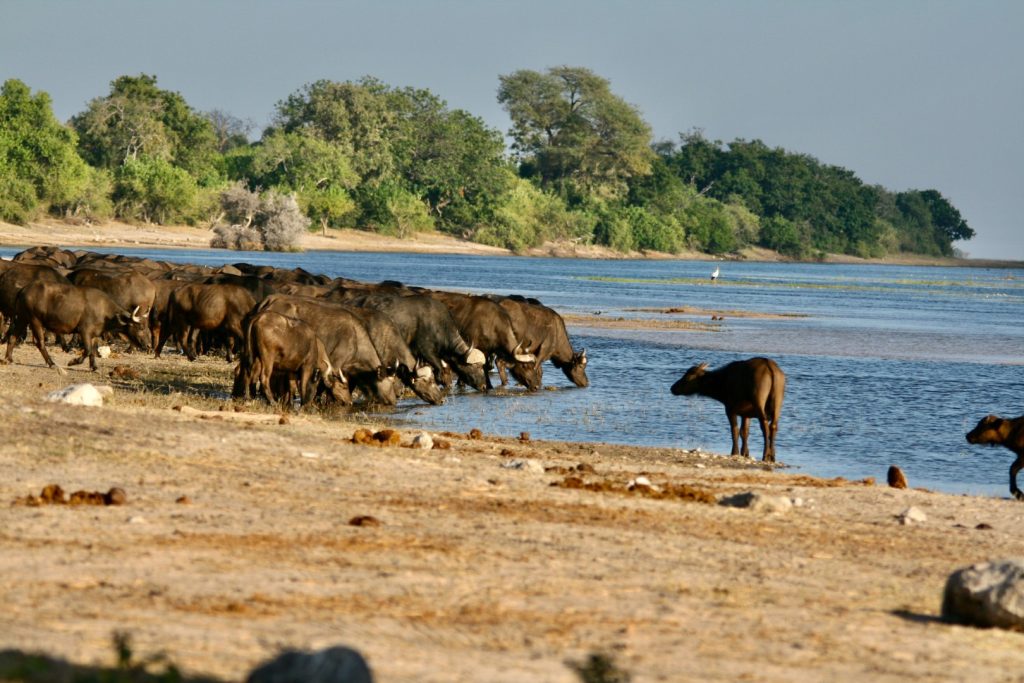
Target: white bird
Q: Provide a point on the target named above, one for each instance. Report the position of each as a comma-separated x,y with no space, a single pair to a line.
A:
714,275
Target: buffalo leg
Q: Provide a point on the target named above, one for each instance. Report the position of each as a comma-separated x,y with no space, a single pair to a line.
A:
745,436
266,371
766,431
39,337
1014,469
734,428
15,334
499,365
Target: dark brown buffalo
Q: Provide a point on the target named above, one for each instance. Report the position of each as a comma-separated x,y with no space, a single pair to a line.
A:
66,308
348,343
16,276
747,388
194,308
128,288
278,343
543,333
427,327
998,431
485,325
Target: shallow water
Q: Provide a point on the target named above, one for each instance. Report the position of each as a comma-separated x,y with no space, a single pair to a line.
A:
885,364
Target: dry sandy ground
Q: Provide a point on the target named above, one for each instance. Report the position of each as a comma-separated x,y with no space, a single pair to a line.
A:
476,571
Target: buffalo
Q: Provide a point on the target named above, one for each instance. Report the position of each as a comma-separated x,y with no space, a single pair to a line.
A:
66,308
997,431
543,333
277,342
747,388
192,308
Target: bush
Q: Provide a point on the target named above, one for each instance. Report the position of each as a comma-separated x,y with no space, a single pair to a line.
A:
153,190
18,201
786,237
273,222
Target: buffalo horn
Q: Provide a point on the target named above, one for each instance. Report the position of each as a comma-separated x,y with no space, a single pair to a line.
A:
135,315
475,357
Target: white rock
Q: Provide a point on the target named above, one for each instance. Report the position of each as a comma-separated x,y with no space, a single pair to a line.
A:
526,465
758,502
423,440
136,520
309,454
103,351
912,516
80,395
986,594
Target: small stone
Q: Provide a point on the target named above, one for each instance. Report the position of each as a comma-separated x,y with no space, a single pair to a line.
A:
524,436
912,515
103,351
183,500
309,454
441,444
136,520
364,520
527,465
423,440
758,502
475,433
896,478
284,420
115,496
986,594
78,395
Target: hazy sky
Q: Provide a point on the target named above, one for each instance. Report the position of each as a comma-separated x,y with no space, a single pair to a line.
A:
906,94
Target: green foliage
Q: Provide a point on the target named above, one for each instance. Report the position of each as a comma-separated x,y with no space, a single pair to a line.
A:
298,162
38,161
573,134
529,217
154,190
786,237
840,212
138,119
331,208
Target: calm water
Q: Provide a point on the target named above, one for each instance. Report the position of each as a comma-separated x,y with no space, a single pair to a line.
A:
885,364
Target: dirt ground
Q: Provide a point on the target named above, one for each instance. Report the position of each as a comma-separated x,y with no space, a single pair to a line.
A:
240,538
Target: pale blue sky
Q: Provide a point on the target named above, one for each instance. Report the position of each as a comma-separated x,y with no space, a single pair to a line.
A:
907,94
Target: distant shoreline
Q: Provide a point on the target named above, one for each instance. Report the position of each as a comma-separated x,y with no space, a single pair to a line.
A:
114,234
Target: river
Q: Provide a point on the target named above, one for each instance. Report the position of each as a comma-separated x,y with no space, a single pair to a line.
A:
885,364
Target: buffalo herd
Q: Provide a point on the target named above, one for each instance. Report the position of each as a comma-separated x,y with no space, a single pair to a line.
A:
295,334
299,335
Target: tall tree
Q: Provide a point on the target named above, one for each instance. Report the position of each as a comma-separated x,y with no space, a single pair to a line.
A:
138,119
38,159
573,133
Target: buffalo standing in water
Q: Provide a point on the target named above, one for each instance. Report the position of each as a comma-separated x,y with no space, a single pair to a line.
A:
997,431
747,388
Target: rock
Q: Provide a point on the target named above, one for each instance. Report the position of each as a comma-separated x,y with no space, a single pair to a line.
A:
912,515
115,496
986,594
364,520
423,440
475,433
896,478
524,436
103,351
758,502
80,395
337,664
524,464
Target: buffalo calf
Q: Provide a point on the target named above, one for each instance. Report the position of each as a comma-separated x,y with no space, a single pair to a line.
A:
747,388
997,431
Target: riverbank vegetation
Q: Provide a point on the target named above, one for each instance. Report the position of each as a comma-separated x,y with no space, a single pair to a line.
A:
582,167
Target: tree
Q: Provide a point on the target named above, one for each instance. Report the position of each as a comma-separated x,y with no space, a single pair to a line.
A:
138,119
356,117
229,131
572,133
448,157
38,160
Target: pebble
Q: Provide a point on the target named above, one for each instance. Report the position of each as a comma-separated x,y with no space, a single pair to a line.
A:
423,440
527,465
136,520
758,502
912,515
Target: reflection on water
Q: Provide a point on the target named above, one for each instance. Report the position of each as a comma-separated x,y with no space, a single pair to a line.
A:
891,365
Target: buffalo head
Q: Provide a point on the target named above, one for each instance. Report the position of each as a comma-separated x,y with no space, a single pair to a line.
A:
689,383
136,327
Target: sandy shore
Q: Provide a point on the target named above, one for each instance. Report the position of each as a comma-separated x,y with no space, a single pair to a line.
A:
495,559
115,234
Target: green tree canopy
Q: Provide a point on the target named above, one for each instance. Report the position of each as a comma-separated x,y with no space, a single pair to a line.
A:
138,119
38,159
572,133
